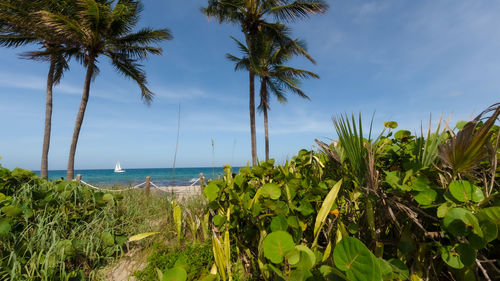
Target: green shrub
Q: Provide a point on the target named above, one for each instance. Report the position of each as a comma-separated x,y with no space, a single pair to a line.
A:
195,259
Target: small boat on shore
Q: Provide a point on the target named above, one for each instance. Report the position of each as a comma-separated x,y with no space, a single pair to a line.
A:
118,168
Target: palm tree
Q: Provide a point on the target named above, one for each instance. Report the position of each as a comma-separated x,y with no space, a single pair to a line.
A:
105,28
275,77
251,16
19,26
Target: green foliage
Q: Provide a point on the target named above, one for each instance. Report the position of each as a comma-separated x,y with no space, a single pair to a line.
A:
196,259
402,213
61,230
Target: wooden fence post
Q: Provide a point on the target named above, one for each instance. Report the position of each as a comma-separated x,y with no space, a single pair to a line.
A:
78,178
148,183
202,182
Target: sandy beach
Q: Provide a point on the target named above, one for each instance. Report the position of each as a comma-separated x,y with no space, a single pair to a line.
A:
180,191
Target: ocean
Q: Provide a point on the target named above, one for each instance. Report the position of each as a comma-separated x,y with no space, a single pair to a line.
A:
131,177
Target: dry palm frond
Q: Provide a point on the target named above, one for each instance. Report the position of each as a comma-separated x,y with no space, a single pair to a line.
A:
463,152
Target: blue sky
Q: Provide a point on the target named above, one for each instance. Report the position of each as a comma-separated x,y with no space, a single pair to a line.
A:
402,59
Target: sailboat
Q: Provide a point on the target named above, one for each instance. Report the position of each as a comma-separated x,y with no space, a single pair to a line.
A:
118,168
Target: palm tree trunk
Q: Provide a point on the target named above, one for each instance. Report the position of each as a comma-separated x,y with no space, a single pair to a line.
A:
48,121
263,97
252,118
79,120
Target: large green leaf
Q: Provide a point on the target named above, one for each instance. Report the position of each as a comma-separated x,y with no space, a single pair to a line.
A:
271,190
276,245
4,228
141,236
326,206
464,191
458,220
426,196
279,223
11,211
353,257
211,191
299,275
458,257
492,214
176,273
307,258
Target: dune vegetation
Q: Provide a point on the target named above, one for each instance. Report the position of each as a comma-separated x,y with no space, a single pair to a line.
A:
398,206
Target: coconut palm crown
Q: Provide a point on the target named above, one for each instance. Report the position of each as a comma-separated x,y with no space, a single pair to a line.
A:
252,16
19,26
268,62
106,28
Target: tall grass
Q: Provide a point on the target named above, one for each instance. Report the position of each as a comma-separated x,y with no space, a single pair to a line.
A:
67,231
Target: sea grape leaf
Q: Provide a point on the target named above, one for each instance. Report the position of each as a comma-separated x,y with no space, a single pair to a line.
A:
219,220
492,214
108,197
211,191
239,180
385,269
490,230
457,220
391,124
451,257
400,269
353,257
402,134
176,273
293,256
4,228
421,183
107,239
467,254
476,242
11,211
307,258
293,222
276,245
393,179
464,191
458,257
443,209
305,208
299,275
426,196
271,190
279,223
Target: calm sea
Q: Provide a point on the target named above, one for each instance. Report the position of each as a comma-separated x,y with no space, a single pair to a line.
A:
159,176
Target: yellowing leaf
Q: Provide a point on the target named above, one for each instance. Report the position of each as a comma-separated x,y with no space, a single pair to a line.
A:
141,236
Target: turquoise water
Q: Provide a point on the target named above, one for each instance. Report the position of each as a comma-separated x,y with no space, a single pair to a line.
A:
159,176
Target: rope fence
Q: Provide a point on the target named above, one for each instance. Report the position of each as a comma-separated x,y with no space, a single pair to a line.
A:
147,184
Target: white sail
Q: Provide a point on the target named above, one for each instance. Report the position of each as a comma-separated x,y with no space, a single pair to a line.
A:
118,168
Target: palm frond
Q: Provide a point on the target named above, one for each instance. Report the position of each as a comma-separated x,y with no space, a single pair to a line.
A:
15,40
299,10
463,152
351,139
145,36
131,69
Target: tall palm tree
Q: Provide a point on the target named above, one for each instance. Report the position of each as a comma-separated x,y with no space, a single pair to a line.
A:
251,15
19,25
268,62
105,28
